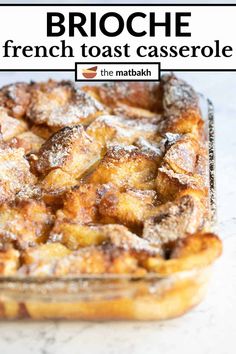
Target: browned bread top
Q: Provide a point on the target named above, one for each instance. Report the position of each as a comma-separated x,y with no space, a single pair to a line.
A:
103,179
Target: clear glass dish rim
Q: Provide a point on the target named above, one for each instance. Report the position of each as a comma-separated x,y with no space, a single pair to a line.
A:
10,282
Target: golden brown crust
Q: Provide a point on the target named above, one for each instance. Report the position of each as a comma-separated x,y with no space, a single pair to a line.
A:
81,204
116,129
171,185
16,98
70,149
180,106
173,220
59,104
181,156
75,235
29,141
15,175
195,251
92,260
136,113
126,166
129,207
24,224
178,96
9,126
9,261
135,94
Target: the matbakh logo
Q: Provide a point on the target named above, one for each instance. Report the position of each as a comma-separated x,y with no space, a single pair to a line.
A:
90,73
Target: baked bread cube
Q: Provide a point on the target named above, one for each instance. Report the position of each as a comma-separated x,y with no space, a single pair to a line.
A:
71,150
193,252
182,154
74,236
120,237
43,131
135,94
9,126
25,224
181,110
120,252
9,261
54,187
90,203
88,260
60,104
16,98
57,181
15,173
44,254
135,113
110,128
126,167
128,207
173,220
171,185
82,202
29,141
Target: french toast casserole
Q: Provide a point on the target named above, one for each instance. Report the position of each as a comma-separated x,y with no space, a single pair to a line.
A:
109,180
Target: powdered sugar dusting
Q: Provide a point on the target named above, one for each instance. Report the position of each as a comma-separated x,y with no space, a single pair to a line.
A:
62,104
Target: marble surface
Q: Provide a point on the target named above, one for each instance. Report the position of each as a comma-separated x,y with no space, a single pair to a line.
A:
210,327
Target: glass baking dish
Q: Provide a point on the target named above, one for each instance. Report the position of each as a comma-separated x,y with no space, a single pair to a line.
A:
104,297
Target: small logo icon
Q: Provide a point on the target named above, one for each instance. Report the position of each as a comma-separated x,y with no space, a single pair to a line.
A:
90,73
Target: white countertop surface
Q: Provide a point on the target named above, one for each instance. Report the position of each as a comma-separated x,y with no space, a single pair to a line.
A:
209,328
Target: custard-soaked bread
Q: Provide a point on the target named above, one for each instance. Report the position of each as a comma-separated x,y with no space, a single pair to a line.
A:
81,204
89,260
178,96
179,172
109,128
128,207
194,252
29,141
43,131
136,113
9,261
171,185
15,173
70,149
173,220
25,224
9,126
59,104
89,203
117,251
16,98
180,107
126,166
75,236
147,96
44,253
57,181
182,153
